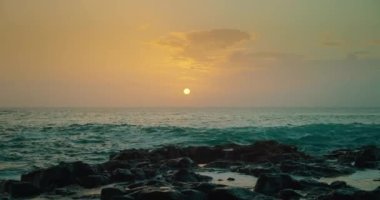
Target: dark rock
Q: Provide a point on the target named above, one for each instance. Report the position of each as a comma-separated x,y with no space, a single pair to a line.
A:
184,175
122,175
368,157
138,173
230,193
205,187
110,193
230,179
130,154
289,194
5,185
349,193
257,170
87,197
48,179
58,176
307,184
92,181
223,164
159,194
205,154
269,151
341,194
63,192
338,184
115,164
270,184
23,189
183,162
150,172
124,197
314,169
193,195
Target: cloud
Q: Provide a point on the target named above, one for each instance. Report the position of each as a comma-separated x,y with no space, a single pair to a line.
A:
375,42
330,40
263,59
357,55
204,47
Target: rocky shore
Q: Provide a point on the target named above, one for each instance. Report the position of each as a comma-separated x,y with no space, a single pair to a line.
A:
177,173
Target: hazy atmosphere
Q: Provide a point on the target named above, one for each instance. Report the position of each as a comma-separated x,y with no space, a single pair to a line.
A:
228,53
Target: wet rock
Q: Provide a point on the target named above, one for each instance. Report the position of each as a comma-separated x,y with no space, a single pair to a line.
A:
130,154
205,187
269,151
58,176
205,154
193,195
5,185
183,162
124,197
314,169
110,193
349,193
230,179
368,157
230,193
122,175
150,172
63,192
306,184
184,175
159,194
23,189
340,194
338,184
138,173
257,170
270,184
289,194
115,164
92,181
223,164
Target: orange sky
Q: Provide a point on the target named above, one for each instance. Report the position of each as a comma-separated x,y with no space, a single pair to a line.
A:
229,53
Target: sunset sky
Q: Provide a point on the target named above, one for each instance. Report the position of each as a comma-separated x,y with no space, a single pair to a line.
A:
228,52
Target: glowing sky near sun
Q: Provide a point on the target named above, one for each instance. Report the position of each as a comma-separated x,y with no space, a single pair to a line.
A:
229,53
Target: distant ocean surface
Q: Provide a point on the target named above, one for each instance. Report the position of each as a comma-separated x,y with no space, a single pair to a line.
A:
40,137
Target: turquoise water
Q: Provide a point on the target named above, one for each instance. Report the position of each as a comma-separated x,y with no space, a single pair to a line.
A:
32,138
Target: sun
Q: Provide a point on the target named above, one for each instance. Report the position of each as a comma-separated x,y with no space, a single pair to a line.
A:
186,91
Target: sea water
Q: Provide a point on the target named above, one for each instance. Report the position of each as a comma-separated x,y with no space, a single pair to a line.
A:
39,137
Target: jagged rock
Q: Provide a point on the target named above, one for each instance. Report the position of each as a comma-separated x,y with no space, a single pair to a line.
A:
122,175
22,189
92,181
110,193
338,184
193,195
159,194
183,162
58,176
230,193
184,175
115,164
124,197
223,164
205,187
138,173
270,184
257,170
289,194
368,157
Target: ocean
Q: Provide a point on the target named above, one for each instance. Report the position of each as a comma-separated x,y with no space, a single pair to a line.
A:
31,138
